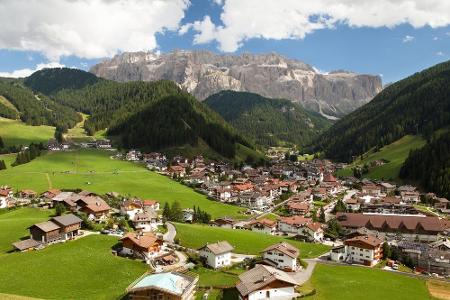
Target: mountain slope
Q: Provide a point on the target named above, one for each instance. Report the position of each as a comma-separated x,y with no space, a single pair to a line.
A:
177,120
50,81
204,73
418,104
149,115
270,122
19,101
430,166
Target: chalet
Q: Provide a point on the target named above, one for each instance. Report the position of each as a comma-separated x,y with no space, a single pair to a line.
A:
222,193
441,203
163,286
319,193
313,232
145,221
282,256
188,215
28,194
387,188
264,226
95,207
352,204
57,229
265,282
410,197
298,208
371,189
293,225
176,171
69,224
423,228
141,245
5,194
217,255
103,144
133,155
151,205
50,194
131,207
366,250
224,222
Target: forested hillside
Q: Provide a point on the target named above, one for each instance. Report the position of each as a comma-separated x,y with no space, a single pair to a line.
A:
50,81
430,166
176,120
149,115
19,102
270,122
418,104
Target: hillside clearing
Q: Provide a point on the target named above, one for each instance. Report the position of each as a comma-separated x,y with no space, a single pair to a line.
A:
15,133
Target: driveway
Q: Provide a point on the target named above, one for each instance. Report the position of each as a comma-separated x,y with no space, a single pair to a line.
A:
304,275
169,236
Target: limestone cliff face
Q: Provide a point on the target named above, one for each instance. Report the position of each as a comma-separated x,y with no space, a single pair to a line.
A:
205,73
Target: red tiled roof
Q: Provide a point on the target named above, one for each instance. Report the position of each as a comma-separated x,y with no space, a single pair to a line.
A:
295,220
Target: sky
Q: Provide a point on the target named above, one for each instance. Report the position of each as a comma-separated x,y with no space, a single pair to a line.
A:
391,38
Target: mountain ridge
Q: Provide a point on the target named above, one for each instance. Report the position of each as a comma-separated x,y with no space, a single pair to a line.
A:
205,73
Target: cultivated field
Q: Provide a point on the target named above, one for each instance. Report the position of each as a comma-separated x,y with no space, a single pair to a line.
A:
244,241
346,282
94,170
81,269
396,153
14,132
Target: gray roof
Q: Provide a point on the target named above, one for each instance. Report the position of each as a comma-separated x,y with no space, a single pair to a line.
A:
219,247
259,277
285,248
26,244
66,220
47,226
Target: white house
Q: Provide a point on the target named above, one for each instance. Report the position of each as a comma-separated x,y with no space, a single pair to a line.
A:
5,194
282,256
217,255
410,197
313,231
131,207
366,250
265,282
145,221
352,204
188,215
293,225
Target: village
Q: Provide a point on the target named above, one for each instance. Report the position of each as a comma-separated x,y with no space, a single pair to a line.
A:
363,222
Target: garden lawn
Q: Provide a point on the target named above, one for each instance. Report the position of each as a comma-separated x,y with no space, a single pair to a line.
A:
81,269
396,153
350,282
14,132
94,170
8,158
216,279
14,225
244,241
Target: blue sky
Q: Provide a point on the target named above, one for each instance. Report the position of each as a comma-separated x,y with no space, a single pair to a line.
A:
392,40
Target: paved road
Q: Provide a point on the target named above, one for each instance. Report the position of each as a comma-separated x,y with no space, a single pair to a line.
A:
169,236
304,275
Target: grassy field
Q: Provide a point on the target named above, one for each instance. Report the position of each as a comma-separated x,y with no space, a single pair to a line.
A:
244,241
81,269
217,279
396,153
94,170
14,225
14,132
347,282
8,158
77,133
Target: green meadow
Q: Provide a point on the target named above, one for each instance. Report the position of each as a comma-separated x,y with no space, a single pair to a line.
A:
96,171
350,282
14,132
395,153
243,241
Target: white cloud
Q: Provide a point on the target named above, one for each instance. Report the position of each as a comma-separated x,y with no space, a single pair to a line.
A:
87,29
294,19
408,39
440,53
27,72
218,2
435,38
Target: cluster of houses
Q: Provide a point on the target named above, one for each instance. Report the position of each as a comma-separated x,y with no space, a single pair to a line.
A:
382,212
270,278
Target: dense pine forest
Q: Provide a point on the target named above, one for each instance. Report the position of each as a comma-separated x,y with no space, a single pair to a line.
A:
33,109
430,166
148,115
270,122
418,104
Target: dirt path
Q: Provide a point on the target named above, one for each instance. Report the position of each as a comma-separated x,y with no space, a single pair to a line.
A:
49,181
